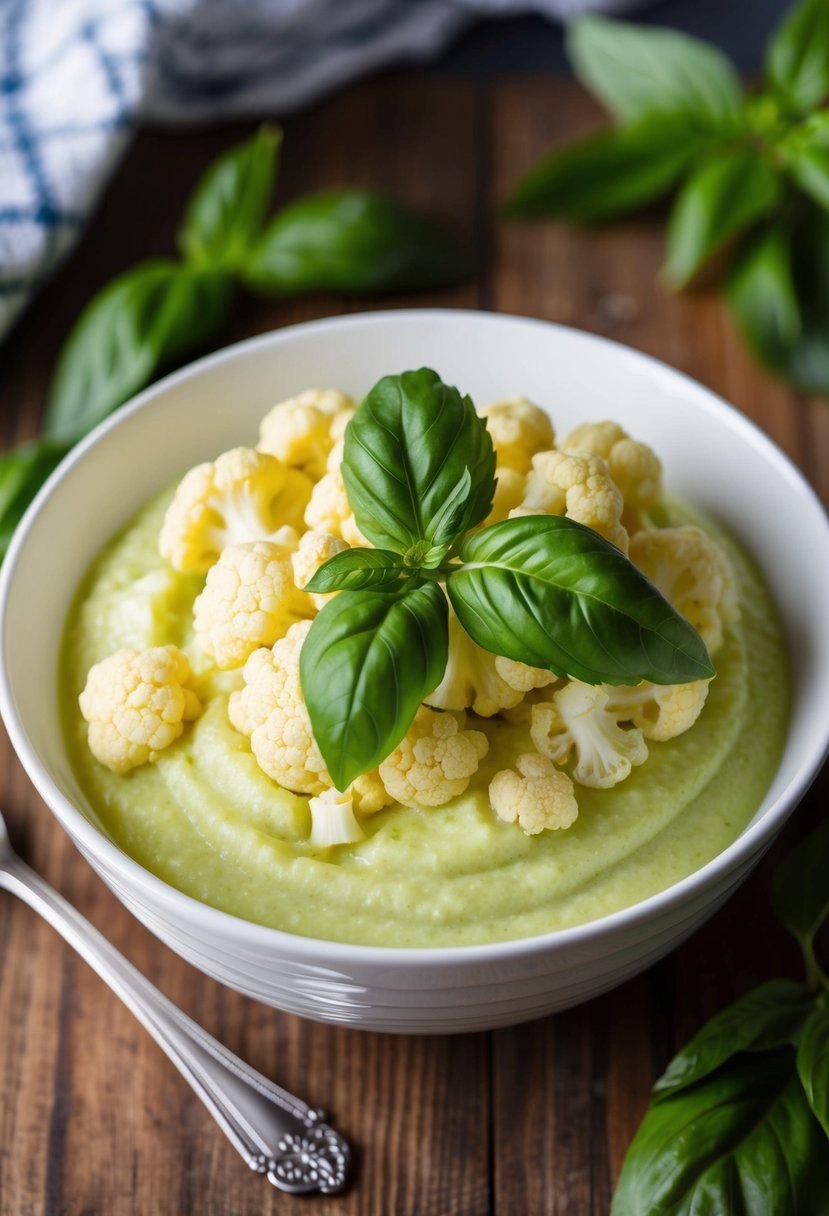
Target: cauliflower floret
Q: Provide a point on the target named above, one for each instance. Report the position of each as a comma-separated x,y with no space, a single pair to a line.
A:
245,495
578,486
661,711
332,820
693,574
249,600
634,467
510,487
370,795
539,795
521,677
518,430
314,549
329,509
271,710
434,762
299,431
136,703
471,679
578,719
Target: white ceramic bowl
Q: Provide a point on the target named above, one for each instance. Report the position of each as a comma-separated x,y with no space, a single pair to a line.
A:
713,457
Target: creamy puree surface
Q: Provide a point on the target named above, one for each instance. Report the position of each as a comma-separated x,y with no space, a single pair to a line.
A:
206,819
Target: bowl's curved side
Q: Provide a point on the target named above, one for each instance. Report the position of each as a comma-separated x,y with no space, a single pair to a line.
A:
713,457
414,997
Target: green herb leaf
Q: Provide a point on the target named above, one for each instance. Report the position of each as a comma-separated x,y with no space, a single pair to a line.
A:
450,519
638,71
719,201
768,1016
225,215
22,473
140,323
762,294
813,1064
406,450
778,293
368,661
549,592
351,241
356,569
743,1142
805,152
610,174
797,58
800,895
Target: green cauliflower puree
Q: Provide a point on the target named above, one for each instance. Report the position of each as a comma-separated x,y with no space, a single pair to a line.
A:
207,820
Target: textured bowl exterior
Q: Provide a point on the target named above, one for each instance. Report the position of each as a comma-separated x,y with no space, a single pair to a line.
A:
713,457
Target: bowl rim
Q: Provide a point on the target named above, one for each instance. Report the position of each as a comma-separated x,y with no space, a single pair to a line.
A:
83,833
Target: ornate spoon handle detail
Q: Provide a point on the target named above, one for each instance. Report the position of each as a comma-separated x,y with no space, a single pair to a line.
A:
277,1134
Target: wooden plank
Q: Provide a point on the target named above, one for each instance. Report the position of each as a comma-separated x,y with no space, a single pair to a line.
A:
93,1118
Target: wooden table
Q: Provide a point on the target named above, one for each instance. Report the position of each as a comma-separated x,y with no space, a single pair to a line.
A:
534,1119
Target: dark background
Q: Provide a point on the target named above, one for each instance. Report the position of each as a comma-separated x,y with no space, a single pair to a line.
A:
535,44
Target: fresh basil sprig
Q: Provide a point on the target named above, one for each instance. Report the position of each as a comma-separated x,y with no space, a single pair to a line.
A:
161,311
750,171
739,1122
419,468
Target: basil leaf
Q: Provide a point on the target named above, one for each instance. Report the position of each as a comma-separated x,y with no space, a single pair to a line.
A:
351,241
368,661
355,569
762,294
141,322
226,212
611,173
813,1064
721,199
805,152
778,294
743,1142
797,58
22,473
449,521
549,592
768,1016
406,450
800,895
639,71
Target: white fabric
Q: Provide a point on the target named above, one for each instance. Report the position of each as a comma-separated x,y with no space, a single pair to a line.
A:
76,76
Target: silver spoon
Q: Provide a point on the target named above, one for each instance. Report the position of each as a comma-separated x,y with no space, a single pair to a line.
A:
277,1134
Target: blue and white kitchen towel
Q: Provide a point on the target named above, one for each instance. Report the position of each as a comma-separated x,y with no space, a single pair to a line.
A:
76,76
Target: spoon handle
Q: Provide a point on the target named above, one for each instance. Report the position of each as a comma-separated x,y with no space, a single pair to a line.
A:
277,1134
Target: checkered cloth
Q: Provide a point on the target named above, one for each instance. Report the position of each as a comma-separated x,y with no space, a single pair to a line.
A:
76,76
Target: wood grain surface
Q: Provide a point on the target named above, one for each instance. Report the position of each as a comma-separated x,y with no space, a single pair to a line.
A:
534,1119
